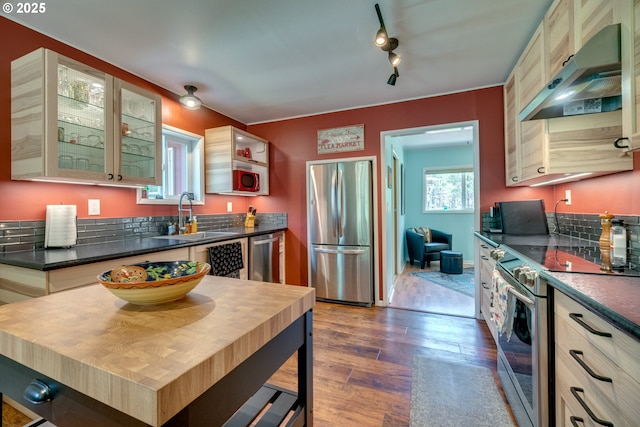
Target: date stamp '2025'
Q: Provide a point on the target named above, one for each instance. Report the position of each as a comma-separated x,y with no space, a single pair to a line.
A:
23,8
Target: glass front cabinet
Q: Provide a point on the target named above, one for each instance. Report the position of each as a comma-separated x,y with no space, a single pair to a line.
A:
73,123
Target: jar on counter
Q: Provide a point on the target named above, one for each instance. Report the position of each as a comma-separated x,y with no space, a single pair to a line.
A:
618,244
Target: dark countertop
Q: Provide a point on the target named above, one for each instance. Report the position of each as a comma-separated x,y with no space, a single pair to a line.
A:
616,298
54,258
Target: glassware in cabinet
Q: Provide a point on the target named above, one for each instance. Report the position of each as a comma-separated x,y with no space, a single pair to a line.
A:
139,133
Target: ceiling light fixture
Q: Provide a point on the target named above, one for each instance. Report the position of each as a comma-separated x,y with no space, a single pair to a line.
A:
388,44
190,101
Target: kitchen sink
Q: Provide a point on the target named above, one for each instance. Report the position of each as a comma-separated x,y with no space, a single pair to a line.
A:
199,236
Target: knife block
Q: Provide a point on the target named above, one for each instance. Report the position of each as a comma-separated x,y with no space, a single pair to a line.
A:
250,221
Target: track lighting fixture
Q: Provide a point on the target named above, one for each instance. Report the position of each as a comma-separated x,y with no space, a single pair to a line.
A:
388,44
190,101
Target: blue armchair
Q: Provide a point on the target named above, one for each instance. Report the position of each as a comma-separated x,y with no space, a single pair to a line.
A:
425,252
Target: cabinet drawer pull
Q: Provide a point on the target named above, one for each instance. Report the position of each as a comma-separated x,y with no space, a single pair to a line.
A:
484,285
578,318
541,169
575,420
484,257
484,246
514,179
575,391
575,353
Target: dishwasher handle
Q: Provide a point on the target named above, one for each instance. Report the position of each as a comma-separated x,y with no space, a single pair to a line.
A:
265,241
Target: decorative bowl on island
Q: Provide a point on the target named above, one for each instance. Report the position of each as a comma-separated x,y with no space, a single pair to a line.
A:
154,282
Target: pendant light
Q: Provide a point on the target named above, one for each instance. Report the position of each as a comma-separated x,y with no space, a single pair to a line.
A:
190,101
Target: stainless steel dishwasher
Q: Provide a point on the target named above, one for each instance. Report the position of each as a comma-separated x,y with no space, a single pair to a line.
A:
264,257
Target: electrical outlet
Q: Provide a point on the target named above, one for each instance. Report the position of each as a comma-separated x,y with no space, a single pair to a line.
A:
229,207
567,195
94,206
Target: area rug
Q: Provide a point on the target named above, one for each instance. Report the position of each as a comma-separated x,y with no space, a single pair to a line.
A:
453,394
463,283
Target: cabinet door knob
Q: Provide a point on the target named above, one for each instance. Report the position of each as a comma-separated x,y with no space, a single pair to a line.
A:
38,392
119,177
110,177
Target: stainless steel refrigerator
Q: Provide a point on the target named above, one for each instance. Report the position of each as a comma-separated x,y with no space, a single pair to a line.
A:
340,230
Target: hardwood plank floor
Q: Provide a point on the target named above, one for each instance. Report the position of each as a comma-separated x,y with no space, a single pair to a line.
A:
414,293
363,360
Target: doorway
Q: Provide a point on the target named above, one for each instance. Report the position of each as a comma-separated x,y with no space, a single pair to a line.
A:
402,286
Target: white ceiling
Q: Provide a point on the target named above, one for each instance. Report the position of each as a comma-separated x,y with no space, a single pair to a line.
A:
265,60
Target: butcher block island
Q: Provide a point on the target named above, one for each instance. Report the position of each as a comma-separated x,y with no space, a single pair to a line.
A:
191,362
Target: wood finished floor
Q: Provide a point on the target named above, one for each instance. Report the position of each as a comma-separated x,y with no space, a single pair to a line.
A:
413,293
363,360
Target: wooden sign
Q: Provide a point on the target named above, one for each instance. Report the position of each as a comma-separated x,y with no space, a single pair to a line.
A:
336,140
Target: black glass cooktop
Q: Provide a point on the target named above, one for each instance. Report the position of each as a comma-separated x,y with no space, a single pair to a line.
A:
570,259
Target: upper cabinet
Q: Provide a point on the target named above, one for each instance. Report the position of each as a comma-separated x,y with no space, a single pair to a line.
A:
73,123
571,147
237,162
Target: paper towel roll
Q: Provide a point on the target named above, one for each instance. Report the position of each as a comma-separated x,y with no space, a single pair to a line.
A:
61,229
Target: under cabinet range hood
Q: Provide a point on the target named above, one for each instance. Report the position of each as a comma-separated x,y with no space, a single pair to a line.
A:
589,82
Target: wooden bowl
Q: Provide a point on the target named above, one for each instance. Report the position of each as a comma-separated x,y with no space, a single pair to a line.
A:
154,282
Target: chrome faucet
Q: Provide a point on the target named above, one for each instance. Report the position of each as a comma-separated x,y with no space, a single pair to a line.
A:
181,226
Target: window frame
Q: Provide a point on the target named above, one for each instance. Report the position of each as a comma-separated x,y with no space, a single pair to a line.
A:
195,174
443,170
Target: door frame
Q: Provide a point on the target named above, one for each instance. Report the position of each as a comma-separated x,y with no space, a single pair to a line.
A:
389,255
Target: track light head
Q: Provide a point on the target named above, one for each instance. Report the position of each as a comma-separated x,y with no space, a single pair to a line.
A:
394,59
381,37
393,77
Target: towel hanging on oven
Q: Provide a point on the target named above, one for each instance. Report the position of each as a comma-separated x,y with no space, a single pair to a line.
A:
226,260
502,305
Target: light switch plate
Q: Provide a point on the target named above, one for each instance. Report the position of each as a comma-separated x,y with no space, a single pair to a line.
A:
229,207
94,206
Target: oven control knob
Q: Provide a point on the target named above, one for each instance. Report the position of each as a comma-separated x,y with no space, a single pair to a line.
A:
521,273
497,253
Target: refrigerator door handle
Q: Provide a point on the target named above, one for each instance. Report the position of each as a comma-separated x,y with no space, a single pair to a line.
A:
334,204
340,204
339,251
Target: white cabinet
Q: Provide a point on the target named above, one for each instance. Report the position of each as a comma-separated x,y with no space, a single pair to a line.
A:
229,152
74,123
596,367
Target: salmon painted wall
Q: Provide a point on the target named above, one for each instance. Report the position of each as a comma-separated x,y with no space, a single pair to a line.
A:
294,142
23,200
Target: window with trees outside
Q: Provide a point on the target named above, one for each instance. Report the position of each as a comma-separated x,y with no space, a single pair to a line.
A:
448,190
182,163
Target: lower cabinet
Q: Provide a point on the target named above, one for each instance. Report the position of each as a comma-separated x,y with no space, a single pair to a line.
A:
19,283
201,253
487,265
597,369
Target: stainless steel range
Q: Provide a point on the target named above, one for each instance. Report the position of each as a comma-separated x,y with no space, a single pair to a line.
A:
523,366
523,360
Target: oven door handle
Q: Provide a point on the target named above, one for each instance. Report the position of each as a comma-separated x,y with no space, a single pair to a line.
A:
521,297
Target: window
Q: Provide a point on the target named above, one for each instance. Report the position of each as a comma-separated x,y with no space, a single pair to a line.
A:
182,160
449,190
